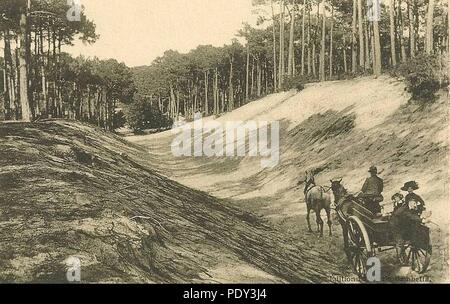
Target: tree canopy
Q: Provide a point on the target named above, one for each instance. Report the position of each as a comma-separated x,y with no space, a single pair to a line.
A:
294,42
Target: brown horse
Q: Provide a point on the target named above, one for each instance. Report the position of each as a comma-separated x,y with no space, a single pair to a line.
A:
317,198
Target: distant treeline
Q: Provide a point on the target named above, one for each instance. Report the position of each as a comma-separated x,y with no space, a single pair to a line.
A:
41,81
295,42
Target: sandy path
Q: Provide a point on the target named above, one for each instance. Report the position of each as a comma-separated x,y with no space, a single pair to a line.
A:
404,141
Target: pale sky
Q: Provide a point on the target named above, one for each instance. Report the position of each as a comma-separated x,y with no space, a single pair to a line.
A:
138,31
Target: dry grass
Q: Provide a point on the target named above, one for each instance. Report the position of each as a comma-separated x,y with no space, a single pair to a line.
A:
67,189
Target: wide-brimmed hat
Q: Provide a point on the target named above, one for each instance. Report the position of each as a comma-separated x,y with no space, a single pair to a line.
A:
412,184
373,169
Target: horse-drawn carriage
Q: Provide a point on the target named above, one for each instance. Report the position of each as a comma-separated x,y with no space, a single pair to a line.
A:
365,234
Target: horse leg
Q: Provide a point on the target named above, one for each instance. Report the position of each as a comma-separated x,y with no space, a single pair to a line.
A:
307,218
329,219
319,222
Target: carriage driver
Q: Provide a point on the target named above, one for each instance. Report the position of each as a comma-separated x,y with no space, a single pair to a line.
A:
371,192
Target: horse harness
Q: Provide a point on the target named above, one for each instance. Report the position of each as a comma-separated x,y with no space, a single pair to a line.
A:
313,185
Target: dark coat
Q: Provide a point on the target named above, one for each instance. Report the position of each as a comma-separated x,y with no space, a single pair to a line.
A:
373,186
404,223
414,197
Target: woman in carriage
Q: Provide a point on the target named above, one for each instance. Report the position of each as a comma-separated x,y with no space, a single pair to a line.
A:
365,234
406,217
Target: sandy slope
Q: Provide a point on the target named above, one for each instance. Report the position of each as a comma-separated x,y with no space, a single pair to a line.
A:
341,128
67,189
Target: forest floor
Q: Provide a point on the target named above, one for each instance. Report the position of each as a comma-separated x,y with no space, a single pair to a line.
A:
70,190
340,129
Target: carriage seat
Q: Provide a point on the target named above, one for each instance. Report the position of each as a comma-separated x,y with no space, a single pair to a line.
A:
372,203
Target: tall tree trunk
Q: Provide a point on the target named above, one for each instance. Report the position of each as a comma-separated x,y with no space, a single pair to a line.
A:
34,78
172,102
309,43
416,23
366,48
177,103
316,35
9,66
98,106
354,43
23,64
108,111
331,41
222,98
377,49
282,49
9,101
313,59
230,87
274,48
252,86
216,92
43,76
361,34
291,42
430,23
258,78
372,45
303,38
392,30
266,77
28,56
400,31
247,77
89,116
5,91
16,64
322,45
58,78
196,107
206,93
345,53
412,35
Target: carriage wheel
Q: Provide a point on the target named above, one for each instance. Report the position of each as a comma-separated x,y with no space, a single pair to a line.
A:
418,258
358,247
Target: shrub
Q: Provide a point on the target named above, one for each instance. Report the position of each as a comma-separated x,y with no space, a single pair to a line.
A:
421,76
294,82
141,115
119,120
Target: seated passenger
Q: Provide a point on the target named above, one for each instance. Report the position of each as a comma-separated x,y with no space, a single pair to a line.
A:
406,217
410,187
398,201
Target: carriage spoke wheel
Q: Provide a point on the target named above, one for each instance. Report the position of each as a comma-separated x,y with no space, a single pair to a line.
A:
418,258
357,248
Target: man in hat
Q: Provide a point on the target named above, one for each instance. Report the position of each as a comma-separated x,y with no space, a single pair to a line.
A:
371,192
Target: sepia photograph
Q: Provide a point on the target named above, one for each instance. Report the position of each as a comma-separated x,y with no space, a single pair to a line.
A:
212,142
